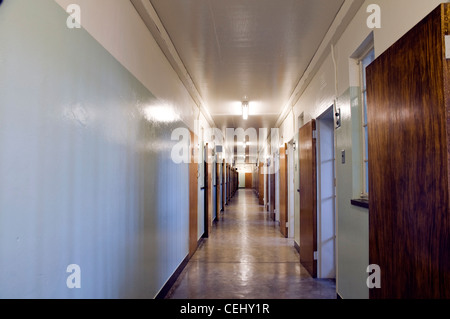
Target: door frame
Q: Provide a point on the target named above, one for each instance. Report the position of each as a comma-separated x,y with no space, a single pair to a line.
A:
326,222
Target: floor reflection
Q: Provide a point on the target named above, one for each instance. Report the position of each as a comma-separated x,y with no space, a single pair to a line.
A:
247,258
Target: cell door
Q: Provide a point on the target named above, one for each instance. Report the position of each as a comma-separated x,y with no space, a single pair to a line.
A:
208,191
291,189
283,192
218,188
308,198
223,194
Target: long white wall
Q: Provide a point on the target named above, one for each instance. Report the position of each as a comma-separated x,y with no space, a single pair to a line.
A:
332,83
86,117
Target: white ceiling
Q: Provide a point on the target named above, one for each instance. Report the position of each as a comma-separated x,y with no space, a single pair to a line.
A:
257,49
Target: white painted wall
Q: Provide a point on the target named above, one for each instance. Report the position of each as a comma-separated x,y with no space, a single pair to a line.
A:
87,175
241,179
117,26
398,17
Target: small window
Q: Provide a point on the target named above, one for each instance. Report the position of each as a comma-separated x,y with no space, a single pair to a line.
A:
366,59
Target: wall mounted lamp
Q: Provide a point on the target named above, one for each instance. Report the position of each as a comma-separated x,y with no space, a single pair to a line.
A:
338,118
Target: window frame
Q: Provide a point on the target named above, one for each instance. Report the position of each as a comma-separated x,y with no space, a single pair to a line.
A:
364,125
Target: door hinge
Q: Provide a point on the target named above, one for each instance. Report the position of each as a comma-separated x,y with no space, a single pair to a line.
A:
316,255
314,135
287,224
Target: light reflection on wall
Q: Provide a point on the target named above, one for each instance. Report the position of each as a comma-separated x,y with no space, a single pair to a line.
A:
160,113
85,159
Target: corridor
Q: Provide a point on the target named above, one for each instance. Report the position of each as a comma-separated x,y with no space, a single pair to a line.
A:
247,258
211,149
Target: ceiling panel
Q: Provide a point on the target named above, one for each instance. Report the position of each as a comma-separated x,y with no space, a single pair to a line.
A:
254,49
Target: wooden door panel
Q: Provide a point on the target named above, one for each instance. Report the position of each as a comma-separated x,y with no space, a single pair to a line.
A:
208,191
283,191
308,198
272,195
261,184
266,197
248,180
223,184
228,182
408,111
217,190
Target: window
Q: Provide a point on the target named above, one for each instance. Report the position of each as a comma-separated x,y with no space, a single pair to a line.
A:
366,59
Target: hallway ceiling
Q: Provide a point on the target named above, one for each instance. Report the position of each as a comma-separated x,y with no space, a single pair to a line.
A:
257,49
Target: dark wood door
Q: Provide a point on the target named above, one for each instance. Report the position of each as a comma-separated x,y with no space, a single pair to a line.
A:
228,182
272,195
218,189
267,195
408,94
308,198
193,196
237,181
208,191
223,184
231,182
261,184
248,180
283,191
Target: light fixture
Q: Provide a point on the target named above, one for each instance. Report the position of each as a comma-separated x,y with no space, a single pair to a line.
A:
245,110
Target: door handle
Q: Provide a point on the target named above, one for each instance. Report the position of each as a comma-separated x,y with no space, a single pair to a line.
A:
298,190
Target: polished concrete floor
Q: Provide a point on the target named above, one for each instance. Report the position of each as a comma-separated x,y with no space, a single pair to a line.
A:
247,258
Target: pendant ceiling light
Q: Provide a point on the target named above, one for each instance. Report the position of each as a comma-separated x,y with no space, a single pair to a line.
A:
245,110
